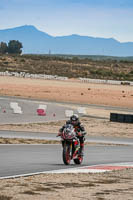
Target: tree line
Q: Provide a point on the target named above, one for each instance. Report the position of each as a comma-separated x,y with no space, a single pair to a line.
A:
13,47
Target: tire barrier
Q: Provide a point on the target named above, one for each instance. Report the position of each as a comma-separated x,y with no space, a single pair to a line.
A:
62,78
123,118
112,82
68,113
81,110
13,105
34,76
41,112
42,107
16,109
125,83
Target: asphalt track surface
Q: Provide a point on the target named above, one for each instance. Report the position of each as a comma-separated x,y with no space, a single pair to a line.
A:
70,103
55,110
52,136
27,159
29,107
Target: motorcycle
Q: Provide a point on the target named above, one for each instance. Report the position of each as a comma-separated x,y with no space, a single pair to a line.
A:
71,145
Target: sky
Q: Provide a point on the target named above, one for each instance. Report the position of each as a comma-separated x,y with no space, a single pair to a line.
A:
96,18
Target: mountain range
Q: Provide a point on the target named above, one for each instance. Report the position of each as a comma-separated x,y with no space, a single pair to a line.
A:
38,42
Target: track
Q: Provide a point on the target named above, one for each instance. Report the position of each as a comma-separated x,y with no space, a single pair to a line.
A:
29,107
28,159
32,159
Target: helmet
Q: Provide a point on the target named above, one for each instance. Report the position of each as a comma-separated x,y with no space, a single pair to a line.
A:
74,119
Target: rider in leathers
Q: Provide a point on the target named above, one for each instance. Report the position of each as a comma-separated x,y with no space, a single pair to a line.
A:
80,131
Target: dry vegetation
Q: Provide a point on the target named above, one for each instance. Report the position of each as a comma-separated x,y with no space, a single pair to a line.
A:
26,141
105,186
71,67
93,127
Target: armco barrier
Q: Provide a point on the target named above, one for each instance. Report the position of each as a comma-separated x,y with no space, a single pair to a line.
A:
123,118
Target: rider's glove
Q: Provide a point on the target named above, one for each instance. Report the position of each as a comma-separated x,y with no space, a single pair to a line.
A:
79,134
59,134
83,132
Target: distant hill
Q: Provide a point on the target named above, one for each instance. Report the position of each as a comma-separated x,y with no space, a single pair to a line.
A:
38,42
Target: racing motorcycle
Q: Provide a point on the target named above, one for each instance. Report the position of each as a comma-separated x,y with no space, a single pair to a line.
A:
71,145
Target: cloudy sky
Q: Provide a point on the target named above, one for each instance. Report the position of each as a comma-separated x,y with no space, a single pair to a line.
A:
97,18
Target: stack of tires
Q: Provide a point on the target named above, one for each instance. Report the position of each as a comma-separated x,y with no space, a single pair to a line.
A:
123,118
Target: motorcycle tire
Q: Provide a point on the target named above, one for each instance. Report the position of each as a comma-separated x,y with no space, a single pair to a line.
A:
78,160
66,154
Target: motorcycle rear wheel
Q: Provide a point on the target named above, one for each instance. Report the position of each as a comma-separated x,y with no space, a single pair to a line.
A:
66,154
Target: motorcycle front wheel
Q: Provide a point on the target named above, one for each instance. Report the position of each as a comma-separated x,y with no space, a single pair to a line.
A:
66,154
78,160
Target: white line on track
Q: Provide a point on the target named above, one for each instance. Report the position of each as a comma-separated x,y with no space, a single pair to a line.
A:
84,169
